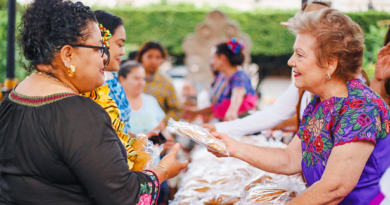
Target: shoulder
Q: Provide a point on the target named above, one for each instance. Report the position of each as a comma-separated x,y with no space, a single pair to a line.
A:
149,99
359,93
240,75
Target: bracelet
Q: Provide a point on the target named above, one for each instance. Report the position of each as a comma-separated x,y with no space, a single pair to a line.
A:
166,171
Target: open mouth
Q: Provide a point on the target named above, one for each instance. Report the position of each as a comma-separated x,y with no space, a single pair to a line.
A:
296,74
102,70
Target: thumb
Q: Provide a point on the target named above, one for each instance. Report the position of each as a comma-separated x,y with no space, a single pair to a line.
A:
184,164
175,149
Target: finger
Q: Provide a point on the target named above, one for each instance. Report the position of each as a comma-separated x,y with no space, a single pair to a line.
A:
175,150
184,164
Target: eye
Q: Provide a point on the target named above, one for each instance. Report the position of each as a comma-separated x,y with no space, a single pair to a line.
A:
299,55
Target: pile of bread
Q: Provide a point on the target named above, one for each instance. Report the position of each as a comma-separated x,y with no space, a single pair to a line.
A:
212,180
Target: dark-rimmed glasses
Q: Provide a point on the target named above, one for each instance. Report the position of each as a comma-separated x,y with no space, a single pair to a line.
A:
102,49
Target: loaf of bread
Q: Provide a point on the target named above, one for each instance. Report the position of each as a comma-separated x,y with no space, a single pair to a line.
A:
141,161
276,196
202,136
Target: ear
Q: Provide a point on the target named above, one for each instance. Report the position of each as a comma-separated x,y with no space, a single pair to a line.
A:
332,64
223,58
66,55
121,79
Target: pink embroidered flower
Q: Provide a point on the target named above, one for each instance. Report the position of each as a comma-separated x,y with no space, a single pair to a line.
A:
328,105
338,127
310,147
363,120
356,83
146,199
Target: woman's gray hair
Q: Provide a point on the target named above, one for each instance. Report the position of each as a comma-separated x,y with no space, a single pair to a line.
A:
127,66
337,36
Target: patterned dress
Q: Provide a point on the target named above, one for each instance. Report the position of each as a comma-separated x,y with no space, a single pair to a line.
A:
119,96
363,115
221,93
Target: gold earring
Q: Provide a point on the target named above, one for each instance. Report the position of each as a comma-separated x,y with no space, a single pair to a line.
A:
327,76
72,70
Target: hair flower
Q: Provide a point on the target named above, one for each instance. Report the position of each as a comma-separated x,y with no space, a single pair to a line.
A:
106,34
235,46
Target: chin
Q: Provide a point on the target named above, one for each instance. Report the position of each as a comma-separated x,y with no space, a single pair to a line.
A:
298,85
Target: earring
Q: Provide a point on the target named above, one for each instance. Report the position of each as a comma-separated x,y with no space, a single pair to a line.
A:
327,76
71,70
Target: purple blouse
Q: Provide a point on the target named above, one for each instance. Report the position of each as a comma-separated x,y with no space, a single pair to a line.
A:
363,115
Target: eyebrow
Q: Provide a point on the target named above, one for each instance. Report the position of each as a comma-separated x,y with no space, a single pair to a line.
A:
300,49
121,39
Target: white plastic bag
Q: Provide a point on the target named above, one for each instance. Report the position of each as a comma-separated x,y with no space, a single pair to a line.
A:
147,153
199,135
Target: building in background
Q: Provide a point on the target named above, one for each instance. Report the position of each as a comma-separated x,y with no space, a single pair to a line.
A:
245,5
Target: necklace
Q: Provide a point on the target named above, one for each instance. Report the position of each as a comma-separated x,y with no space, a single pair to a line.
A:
58,80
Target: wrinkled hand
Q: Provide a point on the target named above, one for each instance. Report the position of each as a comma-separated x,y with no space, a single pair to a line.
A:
382,70
231,115
170,162
211,127
232,145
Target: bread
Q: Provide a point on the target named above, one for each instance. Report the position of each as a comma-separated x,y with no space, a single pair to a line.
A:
276,196
140,143
141,161
222,199
263,179
203,137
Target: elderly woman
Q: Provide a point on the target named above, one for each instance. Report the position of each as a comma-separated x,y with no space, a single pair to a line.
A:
342,145
57,147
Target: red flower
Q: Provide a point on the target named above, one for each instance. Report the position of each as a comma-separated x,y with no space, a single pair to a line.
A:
344,109
306,136
387,126
356,104
319,144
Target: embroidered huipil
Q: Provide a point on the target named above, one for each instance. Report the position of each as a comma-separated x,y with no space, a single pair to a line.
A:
363,115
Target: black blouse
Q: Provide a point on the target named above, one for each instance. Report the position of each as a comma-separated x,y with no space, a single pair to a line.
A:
62,149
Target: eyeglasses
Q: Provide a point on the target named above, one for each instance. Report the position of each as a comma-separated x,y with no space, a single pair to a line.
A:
102,49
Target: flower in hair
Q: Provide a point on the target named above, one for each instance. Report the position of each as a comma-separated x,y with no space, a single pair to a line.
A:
106,34
235,46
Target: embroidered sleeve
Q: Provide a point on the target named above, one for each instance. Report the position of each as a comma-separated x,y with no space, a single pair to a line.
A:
238,80
360,119
149,189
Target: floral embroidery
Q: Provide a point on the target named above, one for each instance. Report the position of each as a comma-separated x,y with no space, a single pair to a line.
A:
337,121
148,195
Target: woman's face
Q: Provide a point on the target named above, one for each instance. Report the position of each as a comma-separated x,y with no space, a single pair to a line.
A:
134,81
117,50
151,60
89,62
307,73
219,62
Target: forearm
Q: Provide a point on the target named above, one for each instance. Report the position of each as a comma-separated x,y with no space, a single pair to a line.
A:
318,193
236,99
274,160
204,111
378,85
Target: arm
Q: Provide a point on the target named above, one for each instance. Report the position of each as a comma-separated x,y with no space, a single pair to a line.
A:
339,179
279,112
275,160
238,95
382,73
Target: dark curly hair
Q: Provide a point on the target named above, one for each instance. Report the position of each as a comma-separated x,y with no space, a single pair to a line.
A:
48,25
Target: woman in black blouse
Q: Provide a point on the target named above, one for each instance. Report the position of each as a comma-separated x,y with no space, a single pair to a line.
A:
57,147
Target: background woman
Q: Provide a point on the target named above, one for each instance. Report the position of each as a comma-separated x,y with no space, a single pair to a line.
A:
232,94
151,55
342,143
57,147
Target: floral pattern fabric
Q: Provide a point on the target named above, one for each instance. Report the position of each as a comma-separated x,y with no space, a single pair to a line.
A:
147,194
119,96
363,115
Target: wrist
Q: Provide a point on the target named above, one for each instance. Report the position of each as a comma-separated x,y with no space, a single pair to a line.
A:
165,171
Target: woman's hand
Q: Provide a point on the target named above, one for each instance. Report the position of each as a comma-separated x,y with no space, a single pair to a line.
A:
210,127
233,146
171,164
231,115
382,70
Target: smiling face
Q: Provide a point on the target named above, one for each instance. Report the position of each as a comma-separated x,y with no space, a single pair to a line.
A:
117,50
89,62
307,73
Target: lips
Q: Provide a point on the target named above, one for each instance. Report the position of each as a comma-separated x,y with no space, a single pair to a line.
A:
118,60
102,70
296,74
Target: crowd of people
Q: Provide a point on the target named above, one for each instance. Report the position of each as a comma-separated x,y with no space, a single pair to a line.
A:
66,131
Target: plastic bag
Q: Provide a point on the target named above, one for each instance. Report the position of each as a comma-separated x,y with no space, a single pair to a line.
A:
199,135
269,196
223,198
147,153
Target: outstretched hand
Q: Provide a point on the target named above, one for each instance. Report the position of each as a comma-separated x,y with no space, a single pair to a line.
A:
232,145
382,70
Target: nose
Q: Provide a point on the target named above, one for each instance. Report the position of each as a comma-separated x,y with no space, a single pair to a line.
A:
291,62
122,51
105,57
